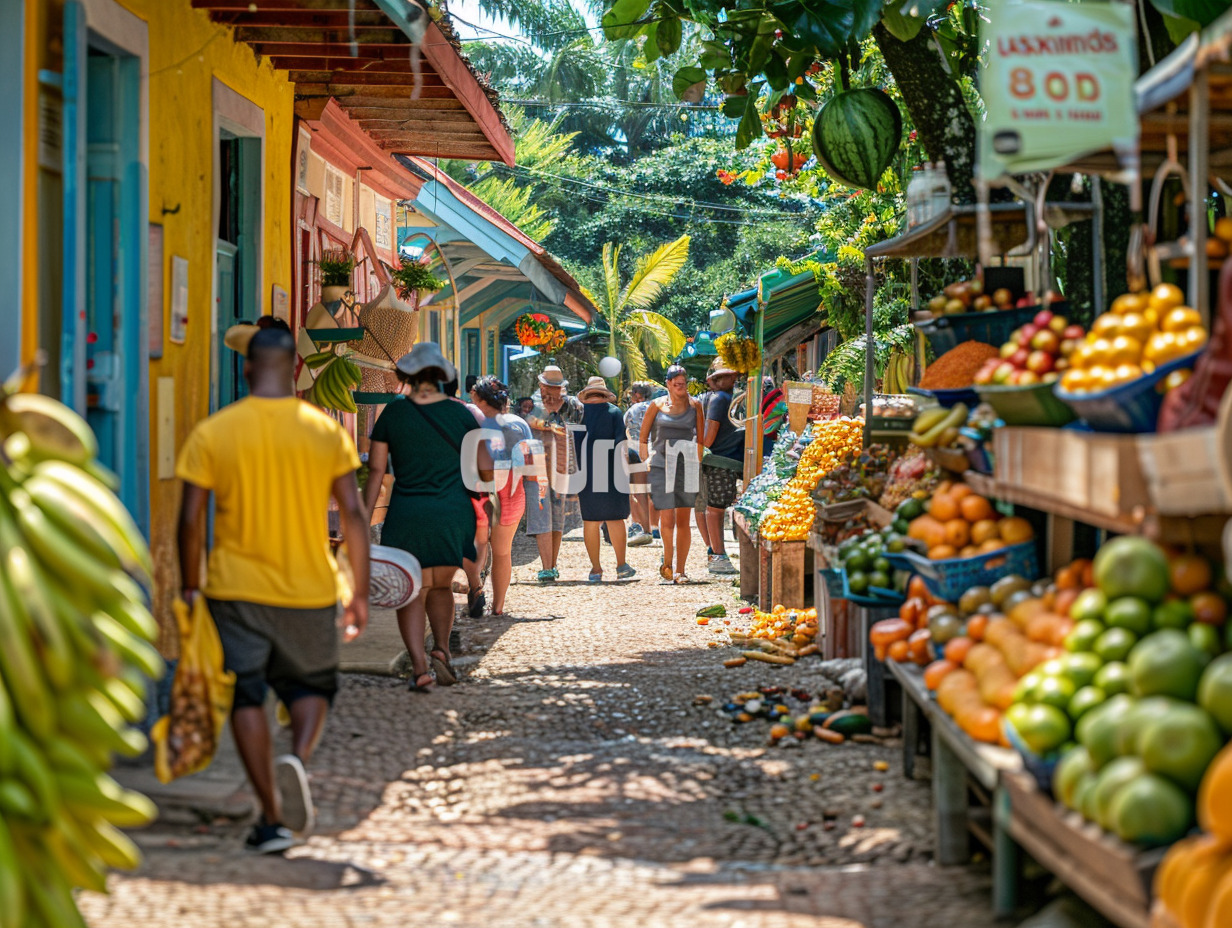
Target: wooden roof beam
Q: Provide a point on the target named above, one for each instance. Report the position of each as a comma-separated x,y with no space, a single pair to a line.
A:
279,6
335,36
468,151
453,133
336,83
407,114
302,19
368,51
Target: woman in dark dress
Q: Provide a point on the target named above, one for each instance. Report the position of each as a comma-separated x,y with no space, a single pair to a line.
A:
430,513
604,499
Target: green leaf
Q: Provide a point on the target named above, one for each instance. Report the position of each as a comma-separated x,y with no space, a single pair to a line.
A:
901,26
1179,29
650,50
750,122
685,78
826,25
715,55
866,13
805,91
762,48
668,36
734,106
621,20
1202,12
776,73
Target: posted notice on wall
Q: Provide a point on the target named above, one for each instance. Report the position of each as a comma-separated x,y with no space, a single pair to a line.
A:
1059,84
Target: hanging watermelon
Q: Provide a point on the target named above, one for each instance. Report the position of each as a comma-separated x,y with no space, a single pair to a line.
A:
856,135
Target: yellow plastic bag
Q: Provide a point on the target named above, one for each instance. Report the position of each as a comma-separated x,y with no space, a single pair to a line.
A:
186,738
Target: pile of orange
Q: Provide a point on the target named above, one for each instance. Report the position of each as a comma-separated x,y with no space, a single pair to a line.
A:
961,523
1139,333
797,625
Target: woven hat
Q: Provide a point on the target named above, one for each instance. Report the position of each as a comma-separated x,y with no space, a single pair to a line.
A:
423,356
596,385
553,376
717,369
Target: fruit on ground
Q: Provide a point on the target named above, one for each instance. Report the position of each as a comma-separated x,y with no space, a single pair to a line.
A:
1042,728
1068,774
1181,745
1151,811
1132,566
1097,731
1111,779
856,135
1215,691
1166,663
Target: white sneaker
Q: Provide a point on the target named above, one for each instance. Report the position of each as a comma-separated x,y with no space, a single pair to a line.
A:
292,782
639,539
720,565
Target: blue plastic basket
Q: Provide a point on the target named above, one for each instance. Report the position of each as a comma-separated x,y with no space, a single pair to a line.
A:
833,578
949,398
1131,407
948,579
879,596
993,328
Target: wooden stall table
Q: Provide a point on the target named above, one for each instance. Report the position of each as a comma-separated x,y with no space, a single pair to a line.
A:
785,574
750,558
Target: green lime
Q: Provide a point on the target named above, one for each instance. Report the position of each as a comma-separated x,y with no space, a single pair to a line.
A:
1115,644
1054,691
879,579
857,561
901,526
910,509
1113,678
1084,635
882,566
1172,613
1129,612
1090,604
1206,638
857,581
1084,701
898,544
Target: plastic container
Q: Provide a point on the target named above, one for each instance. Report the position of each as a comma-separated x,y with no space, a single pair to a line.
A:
1037,404
1131,407
833,578
991,328
875,596
949,398
950,578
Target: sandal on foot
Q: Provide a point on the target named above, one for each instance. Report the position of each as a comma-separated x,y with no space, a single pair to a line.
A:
681,578
546,576
443,666
595,577
624,572
474,606
416,686
665,572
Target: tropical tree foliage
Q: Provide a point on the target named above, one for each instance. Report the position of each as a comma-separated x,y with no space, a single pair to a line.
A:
636,334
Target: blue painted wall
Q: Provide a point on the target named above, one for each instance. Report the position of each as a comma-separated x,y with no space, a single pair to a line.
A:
12,32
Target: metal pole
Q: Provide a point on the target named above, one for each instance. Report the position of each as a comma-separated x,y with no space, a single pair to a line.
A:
752,408
870,346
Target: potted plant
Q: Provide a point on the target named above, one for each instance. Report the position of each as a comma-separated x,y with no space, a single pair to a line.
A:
413,279
336,266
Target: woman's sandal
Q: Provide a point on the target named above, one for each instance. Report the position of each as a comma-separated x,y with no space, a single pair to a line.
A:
665,572
417,687
443,666
681,578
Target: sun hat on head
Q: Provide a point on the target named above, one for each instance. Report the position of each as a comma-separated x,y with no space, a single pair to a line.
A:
423,356
717,369
553,376
596,385
238,336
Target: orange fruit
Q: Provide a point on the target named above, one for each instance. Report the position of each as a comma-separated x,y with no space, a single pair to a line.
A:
1109,324
956,649
1177,865
983,530
1164,347
1215,797
1128,303
1125,350
1136,325
1197,891
1015,530
1216,248
1165,297
969,551
957,533
1193,339
1209,608
1179,319
1189,574
976,508
1219,909
937,671
898,651
1223,228
992,544
1101,350
943,508
1082,356
1126,372
942,552
959,492
984,725
1075,381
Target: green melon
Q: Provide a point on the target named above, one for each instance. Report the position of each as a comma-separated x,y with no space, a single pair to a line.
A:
856,135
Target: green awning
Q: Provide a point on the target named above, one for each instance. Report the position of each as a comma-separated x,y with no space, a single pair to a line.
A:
788,300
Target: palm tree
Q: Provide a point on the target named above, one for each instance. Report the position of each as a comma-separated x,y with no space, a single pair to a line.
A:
635,333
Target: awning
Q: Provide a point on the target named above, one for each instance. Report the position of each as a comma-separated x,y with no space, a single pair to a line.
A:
788,300
359,52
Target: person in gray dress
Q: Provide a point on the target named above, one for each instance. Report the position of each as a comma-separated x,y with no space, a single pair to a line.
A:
671,427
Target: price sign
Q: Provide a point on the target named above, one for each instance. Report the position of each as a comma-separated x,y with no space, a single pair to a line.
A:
1059,84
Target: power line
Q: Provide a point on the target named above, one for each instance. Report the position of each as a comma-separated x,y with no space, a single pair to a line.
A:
701,107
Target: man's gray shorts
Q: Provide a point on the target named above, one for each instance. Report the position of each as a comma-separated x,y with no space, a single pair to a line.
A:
544,515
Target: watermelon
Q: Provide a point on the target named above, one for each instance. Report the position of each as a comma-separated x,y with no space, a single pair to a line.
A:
856,135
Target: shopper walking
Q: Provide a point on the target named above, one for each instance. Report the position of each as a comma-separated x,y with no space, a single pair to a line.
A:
513,450
273,462
672,427
604,502
430,513
642,509
722,464
545,520
699,504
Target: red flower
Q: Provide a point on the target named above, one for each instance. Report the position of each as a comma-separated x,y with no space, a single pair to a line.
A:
781,175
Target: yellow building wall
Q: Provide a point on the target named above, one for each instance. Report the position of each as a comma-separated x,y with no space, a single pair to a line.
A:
187,51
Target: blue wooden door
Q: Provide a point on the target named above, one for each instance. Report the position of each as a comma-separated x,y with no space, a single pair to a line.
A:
229,385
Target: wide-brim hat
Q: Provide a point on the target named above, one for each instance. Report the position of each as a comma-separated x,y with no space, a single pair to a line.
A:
596,385
423,356
553,376
718,369
238,336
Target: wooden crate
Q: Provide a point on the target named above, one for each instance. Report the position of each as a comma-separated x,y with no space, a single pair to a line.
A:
1182,472
1112,876
750,558
1084,471
786,575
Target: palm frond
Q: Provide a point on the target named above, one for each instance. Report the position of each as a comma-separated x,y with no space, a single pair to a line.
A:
611,281
661,337
515,203
654,272
631,356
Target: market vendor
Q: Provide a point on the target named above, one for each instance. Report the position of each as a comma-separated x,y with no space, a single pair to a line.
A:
723,462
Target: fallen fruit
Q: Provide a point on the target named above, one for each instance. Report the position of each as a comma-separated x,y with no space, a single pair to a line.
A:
881,765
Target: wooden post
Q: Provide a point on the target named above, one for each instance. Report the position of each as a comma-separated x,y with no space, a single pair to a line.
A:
949,803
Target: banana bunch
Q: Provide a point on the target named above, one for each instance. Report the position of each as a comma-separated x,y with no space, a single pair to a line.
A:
75,658
335,381
898,373
938,426
738,352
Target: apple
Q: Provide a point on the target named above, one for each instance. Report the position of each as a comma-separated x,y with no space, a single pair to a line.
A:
1019,358
1068,345
1052,377
1059,324
937,305
982,302
1075,332
1009,348
1026,333
1005,370
975,287
1043,318
1024,302
984,375
1002,297
1026,378
1046,340
1040,361
955,306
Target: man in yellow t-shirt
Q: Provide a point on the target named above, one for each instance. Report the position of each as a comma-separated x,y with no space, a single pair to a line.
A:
272,462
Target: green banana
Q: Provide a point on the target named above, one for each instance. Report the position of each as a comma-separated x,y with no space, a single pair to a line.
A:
954,419
47,633
19,666
54,430
12,881
92,718
134,616
112,846
67,756
32,769
17,801
104,796
131,707
928,418
80,867
128,646
321,357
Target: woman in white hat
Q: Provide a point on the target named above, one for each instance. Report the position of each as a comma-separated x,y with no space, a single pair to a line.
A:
430,512
602,500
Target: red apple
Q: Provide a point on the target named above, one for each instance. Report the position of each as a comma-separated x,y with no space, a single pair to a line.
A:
1026,333
984,374
1009,348
1074,332
1043,318
1046,340
1026,379
1040,362
1059,324
1019,358
1003,373
1068,345
1024,302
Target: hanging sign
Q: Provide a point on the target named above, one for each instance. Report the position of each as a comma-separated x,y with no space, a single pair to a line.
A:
1059,84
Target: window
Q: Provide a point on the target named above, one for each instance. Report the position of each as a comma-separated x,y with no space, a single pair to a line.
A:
383,227
334,195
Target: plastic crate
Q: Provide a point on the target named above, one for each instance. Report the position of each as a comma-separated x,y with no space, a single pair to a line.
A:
949,398
950,578
1037,404
1131,407
833,578
991,328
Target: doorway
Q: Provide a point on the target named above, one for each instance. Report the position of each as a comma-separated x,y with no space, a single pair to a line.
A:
239,196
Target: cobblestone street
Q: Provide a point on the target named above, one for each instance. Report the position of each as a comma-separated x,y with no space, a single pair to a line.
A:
571,780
